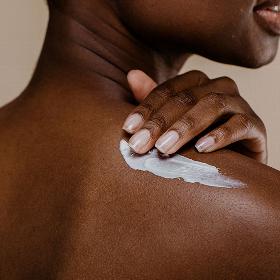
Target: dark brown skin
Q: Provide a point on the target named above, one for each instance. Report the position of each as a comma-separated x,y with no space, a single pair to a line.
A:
70,206
201,26
169,116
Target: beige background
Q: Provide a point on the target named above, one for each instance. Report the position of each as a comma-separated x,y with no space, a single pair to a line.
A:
22,28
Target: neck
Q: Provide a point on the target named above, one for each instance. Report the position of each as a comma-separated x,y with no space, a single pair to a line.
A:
98,45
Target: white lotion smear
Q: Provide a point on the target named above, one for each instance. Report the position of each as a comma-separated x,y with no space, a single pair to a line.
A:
177,167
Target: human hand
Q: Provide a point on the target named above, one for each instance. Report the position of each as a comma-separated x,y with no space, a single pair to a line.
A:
173,113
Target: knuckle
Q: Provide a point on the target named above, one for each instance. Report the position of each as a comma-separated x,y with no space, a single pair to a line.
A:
229,83
222,133
185,124
145,109
217,100
201,77
188,122
158,120
245,122
185,99
227,80
161,93
164,90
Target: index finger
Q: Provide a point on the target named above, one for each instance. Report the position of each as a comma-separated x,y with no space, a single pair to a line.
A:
159,96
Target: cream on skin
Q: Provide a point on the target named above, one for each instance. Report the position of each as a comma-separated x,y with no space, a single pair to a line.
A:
177,167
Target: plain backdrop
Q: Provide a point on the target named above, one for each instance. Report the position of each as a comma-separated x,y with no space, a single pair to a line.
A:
22,29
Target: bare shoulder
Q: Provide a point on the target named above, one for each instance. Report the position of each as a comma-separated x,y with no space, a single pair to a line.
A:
161,228
62,173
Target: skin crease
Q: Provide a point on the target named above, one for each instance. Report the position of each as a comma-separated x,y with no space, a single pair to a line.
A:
70,208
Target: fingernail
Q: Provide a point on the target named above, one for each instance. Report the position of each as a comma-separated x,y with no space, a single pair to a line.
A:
167,141
205,143
132,123
139,140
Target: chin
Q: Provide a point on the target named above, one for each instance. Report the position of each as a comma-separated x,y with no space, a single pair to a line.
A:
253,51
250,58
257,61
259,53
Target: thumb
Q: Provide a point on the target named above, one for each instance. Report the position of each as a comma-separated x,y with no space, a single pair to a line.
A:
140,83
